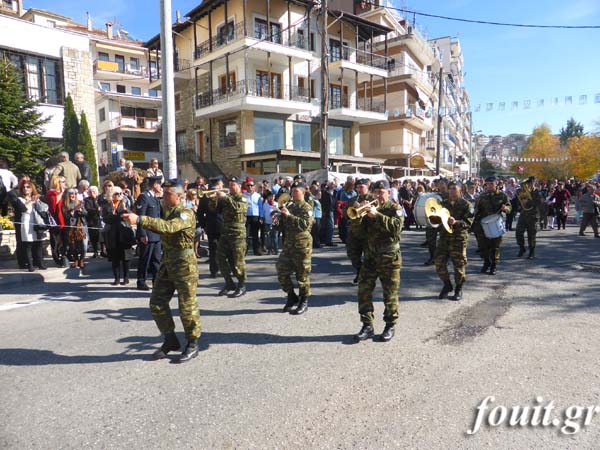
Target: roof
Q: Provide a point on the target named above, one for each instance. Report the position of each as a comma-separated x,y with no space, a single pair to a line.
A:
48,13
208,5
365,27
178,27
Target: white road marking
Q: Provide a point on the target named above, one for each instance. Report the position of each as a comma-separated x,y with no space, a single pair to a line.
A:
17,305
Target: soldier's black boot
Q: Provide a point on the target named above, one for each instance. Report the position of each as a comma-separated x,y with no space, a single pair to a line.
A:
457,293
241,290
292,300
171,343
446,289
486,265
388,333
229,288
521,251
190,352
531,253
365,332
493,269
302,306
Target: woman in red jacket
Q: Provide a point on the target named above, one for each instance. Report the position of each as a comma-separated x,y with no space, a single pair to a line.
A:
561,204
54,199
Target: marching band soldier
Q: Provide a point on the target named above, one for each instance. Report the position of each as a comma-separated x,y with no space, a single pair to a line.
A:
212,223
531,203
295,256
178,271
491,201
382,226
231,249
357,240
308,198
431,233
454,245
148,204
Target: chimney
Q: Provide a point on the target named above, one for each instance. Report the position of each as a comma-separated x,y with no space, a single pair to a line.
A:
109,32
178,15
89,21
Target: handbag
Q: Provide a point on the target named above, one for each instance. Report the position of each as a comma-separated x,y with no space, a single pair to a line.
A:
76,234
126,235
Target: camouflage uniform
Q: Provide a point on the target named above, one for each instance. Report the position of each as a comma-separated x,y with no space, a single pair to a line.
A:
431,233
529,218
454,245
382,260
178,271
357,240
231,249
487,204
297,249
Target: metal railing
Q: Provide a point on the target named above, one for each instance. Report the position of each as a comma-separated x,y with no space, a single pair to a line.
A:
135,122
359,56
343,101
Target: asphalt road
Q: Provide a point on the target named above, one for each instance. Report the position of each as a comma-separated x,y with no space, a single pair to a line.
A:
75,369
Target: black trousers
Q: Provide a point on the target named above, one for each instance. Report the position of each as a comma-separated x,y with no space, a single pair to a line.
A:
213,241
589,219
316,233
254,225
149,261
32,253
21,258
118,258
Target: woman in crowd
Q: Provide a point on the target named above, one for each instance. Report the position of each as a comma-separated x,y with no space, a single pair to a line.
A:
133,180
28,213
550,208
54,199
75,214
154,170
561,204
113,236
269,206
104,199
578,209
346,194
93,218
127,197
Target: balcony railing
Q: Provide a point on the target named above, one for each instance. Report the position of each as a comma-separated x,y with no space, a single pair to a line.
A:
294,37
254,89
135,122
343,101
113,66
360,57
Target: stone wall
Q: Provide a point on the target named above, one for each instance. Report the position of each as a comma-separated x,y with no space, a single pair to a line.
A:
227,158
8,244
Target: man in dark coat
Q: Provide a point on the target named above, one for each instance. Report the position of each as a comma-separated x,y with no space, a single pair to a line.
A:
211,222
148,204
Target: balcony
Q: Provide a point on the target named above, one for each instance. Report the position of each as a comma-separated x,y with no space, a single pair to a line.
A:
181,74
418,45
342,108
243,34
253,96
413,115
364,63
115,71
418,78
140,124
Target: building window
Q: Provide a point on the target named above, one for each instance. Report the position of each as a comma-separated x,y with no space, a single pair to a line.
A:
120,60
141,144
305,136
266,89
146,113
268,134
51,23
105,87
102,114
104,145
225,33
134,64
312,42
121,89
228,133
152,92
180,141
103,56
338,100
177,101
261,31
338,140
136,90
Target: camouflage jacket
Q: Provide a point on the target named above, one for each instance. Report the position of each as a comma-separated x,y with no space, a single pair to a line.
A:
308,198
234,209
489,203
355,226
176,230
297,225
383,231
531,209
463,213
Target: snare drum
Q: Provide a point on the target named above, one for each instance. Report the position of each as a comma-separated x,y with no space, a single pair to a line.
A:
493,226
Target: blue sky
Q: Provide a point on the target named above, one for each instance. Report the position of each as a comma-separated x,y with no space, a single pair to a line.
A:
502,64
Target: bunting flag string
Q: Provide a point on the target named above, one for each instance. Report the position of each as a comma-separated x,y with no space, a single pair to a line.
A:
529,104
520,159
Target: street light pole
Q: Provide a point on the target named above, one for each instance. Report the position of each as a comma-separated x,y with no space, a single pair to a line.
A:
168,90
439,123
324,122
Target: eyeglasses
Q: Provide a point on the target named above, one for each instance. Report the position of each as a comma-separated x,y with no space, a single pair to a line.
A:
26,187
117,193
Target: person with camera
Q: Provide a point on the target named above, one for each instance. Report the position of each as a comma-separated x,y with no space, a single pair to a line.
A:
28,211
118,236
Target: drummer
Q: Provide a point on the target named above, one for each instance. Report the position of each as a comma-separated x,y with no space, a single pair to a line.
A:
431,233
491,201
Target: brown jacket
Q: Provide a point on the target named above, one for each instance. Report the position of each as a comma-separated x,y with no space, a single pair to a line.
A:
71,173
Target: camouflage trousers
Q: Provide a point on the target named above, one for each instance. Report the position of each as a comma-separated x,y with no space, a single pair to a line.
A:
181,276
431,235
231,258
529,225
386,267
355,248
479,236
490,248
295,260
455,250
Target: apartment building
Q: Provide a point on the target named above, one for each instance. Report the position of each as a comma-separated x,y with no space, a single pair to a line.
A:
253,87
11,7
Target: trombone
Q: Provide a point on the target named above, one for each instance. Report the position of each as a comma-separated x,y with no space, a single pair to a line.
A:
212,193
356,212
284,201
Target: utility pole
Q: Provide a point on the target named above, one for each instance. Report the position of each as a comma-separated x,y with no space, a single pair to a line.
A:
470,144
324,123
439,123
168,91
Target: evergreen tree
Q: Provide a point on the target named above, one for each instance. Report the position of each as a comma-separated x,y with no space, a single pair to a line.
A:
85,145
70,128
573,129
21,140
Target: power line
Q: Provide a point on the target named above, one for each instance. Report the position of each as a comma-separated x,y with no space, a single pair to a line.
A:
486,22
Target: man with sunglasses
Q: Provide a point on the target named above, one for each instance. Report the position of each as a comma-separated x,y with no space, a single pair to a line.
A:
254,212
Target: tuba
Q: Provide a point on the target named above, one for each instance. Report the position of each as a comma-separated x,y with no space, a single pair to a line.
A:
524,196
437,214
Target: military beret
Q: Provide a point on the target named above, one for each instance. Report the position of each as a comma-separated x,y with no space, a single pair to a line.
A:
490,179
381,184
151,180
530,180
469,183
237,180
300,177
173,182
299,184
453,183
364,181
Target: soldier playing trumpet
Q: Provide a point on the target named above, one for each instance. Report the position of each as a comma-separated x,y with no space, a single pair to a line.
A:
357,240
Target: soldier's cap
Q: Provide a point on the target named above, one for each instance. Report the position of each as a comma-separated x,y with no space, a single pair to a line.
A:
469,183
300,177
442,180
381,184
364,181
151,180
215,180
299,184
453,184
531,179
491,179
173,182
237,180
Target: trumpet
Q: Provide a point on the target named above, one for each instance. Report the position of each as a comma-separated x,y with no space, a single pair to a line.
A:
356,212
212,193
284,201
